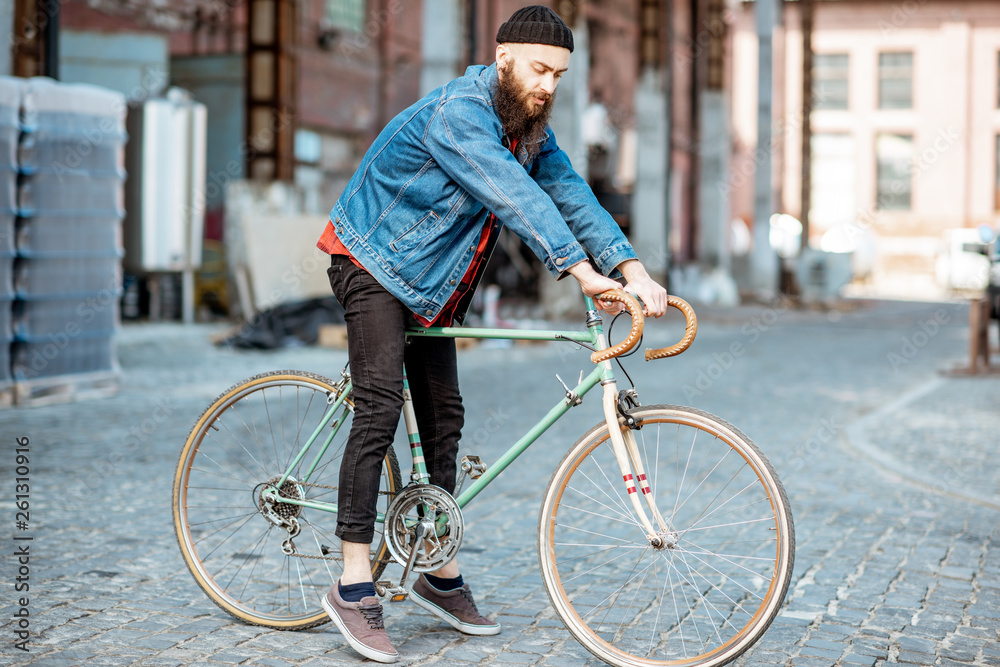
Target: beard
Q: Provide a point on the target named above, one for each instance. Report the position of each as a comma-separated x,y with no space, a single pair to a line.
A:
521,118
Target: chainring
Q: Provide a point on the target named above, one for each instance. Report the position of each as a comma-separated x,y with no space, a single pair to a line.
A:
420,502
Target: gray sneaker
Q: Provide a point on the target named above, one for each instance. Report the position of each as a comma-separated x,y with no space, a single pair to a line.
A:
361,624
456,608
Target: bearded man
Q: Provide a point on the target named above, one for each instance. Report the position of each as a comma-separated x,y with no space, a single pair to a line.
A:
409,238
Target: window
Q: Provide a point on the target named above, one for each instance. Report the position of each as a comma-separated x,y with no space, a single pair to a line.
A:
893,169
895,80
829,81
347,14
832,181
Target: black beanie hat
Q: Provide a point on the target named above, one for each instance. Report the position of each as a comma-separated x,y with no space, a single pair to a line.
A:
536,25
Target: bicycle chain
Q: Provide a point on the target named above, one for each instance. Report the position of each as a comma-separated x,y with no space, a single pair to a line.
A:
334,488
291,545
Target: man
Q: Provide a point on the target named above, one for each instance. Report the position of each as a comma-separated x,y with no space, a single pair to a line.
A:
409,238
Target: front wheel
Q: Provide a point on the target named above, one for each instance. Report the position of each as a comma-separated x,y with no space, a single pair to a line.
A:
233,543
711,590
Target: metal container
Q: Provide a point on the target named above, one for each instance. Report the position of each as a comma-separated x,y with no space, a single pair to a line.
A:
165,192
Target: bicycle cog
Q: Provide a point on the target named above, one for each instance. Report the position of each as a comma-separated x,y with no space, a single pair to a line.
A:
281,512
414,504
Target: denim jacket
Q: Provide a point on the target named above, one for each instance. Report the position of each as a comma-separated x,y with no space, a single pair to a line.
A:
414,211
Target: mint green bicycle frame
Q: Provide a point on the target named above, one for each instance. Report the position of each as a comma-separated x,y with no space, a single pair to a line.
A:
601,373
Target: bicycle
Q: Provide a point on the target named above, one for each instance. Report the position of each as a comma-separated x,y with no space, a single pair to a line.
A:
664,535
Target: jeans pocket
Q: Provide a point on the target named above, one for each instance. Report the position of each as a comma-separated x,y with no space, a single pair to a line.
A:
340,274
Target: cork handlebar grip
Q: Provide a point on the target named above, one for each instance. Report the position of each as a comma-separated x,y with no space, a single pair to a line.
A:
690,331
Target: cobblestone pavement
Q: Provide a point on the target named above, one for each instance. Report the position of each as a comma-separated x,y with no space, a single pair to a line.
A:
887,462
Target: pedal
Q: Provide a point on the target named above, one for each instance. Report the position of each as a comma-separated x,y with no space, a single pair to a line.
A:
393,593
474,466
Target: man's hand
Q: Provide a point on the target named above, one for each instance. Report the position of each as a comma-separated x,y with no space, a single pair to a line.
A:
593,283
654,297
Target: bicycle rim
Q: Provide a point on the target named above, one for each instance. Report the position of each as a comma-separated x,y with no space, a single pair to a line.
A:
245,440
706,599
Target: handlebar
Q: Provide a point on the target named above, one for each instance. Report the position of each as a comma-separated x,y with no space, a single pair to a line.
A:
638,322
690,331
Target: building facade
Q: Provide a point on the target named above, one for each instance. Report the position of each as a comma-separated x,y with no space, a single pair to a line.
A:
905,133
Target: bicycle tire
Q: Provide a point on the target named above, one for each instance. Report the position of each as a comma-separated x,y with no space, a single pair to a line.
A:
247,437
705,600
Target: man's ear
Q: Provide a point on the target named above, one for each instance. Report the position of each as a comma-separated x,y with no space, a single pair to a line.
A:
503,53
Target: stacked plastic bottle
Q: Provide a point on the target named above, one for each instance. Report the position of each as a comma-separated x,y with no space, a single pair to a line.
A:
10,130
67,275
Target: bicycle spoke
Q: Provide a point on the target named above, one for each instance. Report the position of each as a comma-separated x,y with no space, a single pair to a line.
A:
698,519
604,516
241,445
625,508
224,518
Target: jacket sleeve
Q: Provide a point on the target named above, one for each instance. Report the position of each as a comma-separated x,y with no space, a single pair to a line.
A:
469,150
590,223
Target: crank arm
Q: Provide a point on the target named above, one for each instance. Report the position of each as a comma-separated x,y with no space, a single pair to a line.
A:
399,592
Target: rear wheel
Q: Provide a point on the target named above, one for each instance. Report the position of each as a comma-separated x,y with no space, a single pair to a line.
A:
231,541
707,595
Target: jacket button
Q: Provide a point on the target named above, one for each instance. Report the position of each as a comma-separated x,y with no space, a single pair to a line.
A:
340,230
560,260
451,282
336,220
428,312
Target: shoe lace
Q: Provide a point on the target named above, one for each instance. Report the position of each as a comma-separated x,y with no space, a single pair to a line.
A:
373,615
467,594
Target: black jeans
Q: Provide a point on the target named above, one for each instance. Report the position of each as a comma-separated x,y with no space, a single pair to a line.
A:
378,353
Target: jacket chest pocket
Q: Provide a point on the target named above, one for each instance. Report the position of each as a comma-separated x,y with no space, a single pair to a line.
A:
416,233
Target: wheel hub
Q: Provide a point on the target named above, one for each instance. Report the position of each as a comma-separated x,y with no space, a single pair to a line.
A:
664,539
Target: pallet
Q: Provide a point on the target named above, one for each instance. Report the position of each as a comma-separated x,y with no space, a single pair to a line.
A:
65,388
